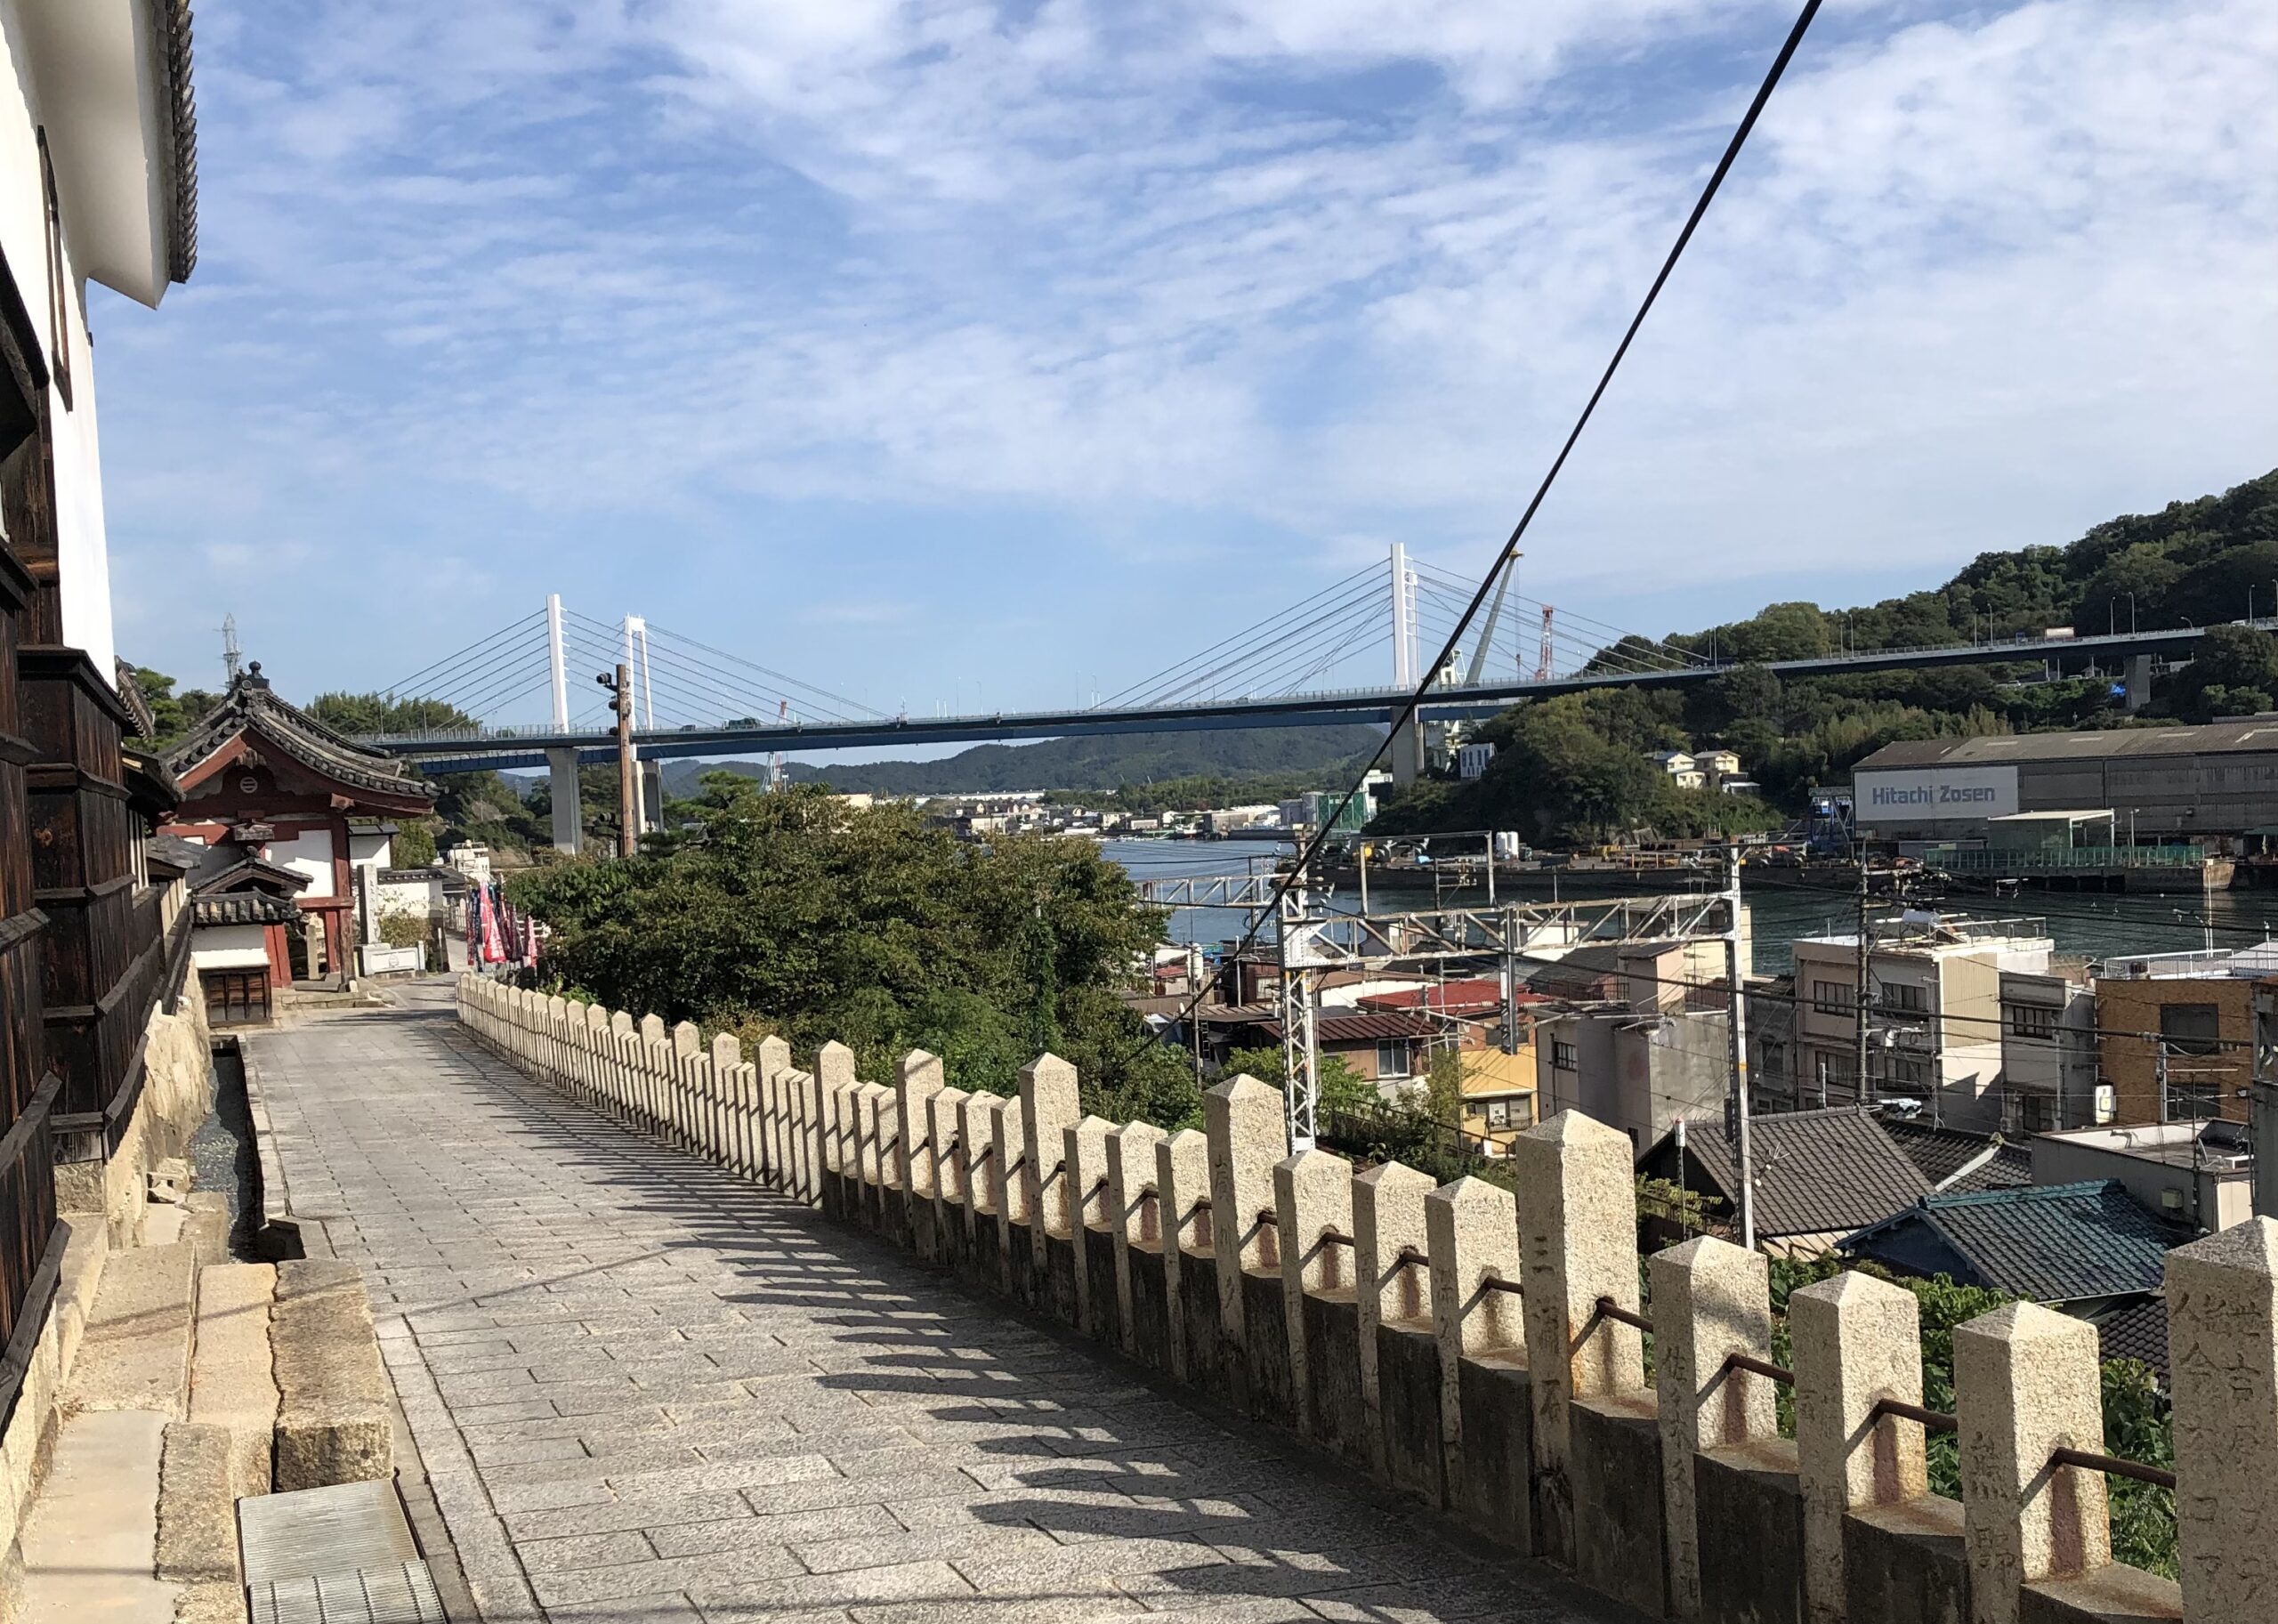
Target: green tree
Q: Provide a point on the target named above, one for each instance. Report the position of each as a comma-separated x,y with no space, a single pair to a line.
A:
1342,1088
414,846
173,714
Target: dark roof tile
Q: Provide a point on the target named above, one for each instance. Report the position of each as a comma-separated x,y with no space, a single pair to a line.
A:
1817,1172
2053,1243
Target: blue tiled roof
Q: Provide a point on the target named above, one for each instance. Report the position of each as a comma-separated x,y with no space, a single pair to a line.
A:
2053,1243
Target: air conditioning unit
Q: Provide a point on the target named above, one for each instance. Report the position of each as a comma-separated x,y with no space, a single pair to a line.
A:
2171,1202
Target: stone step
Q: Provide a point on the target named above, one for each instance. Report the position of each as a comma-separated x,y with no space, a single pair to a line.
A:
232,1385
90,1544
135,1351
334,1425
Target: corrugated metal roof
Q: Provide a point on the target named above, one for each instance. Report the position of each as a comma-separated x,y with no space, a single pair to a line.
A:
2214,739
2053,1243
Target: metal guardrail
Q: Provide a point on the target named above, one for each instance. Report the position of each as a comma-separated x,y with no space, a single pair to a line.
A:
2066,859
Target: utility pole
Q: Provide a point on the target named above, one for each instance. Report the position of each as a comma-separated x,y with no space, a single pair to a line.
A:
628,770
1194,1008
1859,994
1737,1035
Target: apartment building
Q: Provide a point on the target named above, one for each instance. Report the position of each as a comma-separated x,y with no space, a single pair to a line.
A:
1655,1047
1933,1013
2176,1032
2049,1076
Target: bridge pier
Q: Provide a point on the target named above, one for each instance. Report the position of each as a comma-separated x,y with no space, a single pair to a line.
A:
2139,681
1408,752
562,768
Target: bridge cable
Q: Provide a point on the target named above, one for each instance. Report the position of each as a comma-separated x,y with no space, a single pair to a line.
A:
1261,668
423,672
477,679
471,670
1148,684
1415,702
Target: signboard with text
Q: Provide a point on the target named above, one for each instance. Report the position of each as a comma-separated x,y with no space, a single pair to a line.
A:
1907,796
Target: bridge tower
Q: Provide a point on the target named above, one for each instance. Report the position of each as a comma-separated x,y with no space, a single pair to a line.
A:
1408,743
561,764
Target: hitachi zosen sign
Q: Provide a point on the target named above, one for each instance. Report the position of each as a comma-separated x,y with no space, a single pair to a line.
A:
1931,794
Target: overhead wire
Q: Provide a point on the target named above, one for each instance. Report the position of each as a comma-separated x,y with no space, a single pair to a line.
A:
1313,848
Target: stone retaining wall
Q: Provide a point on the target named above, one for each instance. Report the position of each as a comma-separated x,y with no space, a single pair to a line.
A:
1476,1349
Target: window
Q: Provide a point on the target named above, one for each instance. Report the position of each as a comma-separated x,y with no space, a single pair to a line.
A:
1561,1055
1910,1071
1906,997
2032,1021
1834,997
1498,1113
2191,1028
1771,1058
235,998
1833,1068
1392,1057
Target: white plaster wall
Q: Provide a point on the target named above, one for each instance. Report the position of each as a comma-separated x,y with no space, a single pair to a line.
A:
309,853
370,849
85,554
229,947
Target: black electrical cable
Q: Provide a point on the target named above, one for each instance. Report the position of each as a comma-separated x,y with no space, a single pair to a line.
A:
1313,848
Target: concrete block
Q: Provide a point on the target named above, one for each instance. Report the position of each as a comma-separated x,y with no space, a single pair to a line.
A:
1055,1282
1147,1324
1620,1536
834,1076
1904,1563
1857,1340
1262,1356
952,1226
1495,1493
134,1353
333,1422
1389,1284
198,1522
1050,1105
1711,1299
2222,1356
1009,1194
977,1120
1084,1187
916,1080
1577,1229
1202,1346
772,1061
2114,1594
232,1385
1338,1417
1101,1309
1183,1189
1134,1213
1749,1521
1472,1238
1412,1457
2027,1381
1245,1123
1313,1209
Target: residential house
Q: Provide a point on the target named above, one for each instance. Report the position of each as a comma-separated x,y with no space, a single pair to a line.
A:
2198,1175
1819,1175
2176,1038
1392,1050
1683,768
2048,1050
1499,1093
2086,1249
1720,768
1959,1163
1933,1013
1652,1044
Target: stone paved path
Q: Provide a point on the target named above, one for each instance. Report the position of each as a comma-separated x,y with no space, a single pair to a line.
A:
645,1391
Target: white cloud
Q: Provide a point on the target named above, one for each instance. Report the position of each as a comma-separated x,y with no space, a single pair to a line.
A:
1983,278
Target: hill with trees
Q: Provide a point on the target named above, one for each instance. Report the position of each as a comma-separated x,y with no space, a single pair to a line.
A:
1575,770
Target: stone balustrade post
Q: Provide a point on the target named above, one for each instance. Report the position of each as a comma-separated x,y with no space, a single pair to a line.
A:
1577,1241
1182,1187
1392,1285
1312,1217
834,1076
1008,1194
808,1117
1084,1161
1711,1300
945,1126
599,1046
845,1111
1472,1238
727,1117
1049,1106
873,1111
774,1060
1135,1213
2027,1381
688,1105
624,1044
1858,1340
2223,1360
916,1080
1246,1124
979,1148
656,1072
557,1031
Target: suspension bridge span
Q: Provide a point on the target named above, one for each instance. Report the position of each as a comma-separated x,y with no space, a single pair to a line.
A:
693,698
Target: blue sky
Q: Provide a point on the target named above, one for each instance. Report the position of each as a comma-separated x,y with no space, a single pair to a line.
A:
908,346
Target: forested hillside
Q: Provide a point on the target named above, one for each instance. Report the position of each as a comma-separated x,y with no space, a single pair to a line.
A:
1575,769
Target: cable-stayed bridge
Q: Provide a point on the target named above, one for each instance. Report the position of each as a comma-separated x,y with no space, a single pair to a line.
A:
1292,668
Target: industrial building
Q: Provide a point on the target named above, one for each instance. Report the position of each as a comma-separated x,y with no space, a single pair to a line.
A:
2157,783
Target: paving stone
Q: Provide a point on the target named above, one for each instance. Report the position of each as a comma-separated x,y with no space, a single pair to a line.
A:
646,1394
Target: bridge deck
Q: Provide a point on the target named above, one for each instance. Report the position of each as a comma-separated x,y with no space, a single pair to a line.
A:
644,1390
